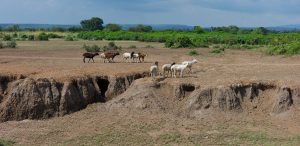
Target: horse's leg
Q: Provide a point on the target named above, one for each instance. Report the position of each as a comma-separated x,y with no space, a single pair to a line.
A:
83,59
93,60
89,60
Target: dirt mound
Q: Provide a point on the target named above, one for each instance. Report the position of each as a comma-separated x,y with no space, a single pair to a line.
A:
43,98
190,100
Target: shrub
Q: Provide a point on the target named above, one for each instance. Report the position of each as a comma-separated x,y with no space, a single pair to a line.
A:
132,47
11,44
7,38
1,45
287,49
217,50
42,37
193,53
15,35
93,48
53,36
69,38
30,37
23,36
112,46
169,43
149,46
183,42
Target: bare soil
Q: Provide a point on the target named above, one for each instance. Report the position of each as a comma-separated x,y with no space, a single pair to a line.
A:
105,124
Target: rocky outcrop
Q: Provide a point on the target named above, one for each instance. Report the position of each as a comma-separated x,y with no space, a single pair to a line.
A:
44,98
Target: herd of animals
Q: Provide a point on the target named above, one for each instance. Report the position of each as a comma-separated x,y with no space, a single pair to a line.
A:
167,69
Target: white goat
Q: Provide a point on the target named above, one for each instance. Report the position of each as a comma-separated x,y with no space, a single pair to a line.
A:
190,64
166,68
178,67
154,70
135,56
127,55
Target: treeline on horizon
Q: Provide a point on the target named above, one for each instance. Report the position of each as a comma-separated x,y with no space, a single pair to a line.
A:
227,37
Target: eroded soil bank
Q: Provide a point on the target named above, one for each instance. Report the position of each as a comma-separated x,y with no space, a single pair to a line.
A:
28,98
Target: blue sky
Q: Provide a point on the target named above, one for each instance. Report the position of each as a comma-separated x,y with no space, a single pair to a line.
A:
189,12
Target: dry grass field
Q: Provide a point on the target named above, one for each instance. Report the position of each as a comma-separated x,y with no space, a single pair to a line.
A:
97,125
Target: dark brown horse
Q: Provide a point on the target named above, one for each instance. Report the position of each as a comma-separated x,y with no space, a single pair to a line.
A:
90,56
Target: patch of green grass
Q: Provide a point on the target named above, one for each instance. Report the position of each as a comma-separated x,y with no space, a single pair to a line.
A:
217,51
286,49
171,138
193,53
6,142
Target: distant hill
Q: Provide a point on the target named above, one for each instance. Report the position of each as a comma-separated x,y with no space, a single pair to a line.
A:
36,26
161,26
292,27
124,26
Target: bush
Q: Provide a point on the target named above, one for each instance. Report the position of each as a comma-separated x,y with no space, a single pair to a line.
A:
169,43
43,37
217,50
287,49
149,47
93,48
23,36
53,36
69,38
7,38
31,37
193,53
11,44
183,42
180,42
1,45
112,46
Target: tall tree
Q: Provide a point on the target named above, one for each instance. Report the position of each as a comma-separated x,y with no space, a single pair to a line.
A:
92,24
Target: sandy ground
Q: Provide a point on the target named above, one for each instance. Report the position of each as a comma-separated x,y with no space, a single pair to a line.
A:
98,126
63,60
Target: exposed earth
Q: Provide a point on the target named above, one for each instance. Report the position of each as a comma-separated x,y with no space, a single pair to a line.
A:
48,96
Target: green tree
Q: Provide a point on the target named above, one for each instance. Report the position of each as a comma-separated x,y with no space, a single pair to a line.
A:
113,27
260,30
198,29
141,28
92,24
14,28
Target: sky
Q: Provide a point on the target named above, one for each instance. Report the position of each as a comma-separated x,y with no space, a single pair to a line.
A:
243,13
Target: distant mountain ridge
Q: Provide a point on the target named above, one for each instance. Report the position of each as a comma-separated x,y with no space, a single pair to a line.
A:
293,27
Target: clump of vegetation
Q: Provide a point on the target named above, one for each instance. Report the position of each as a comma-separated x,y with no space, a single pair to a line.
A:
6,142
93,48
113,27
286,49
193,53
11,44
217,49
53,35
141,28
43,37
7,38
180,42
1,45
111,46
132,47
149,47
31,37
69,38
